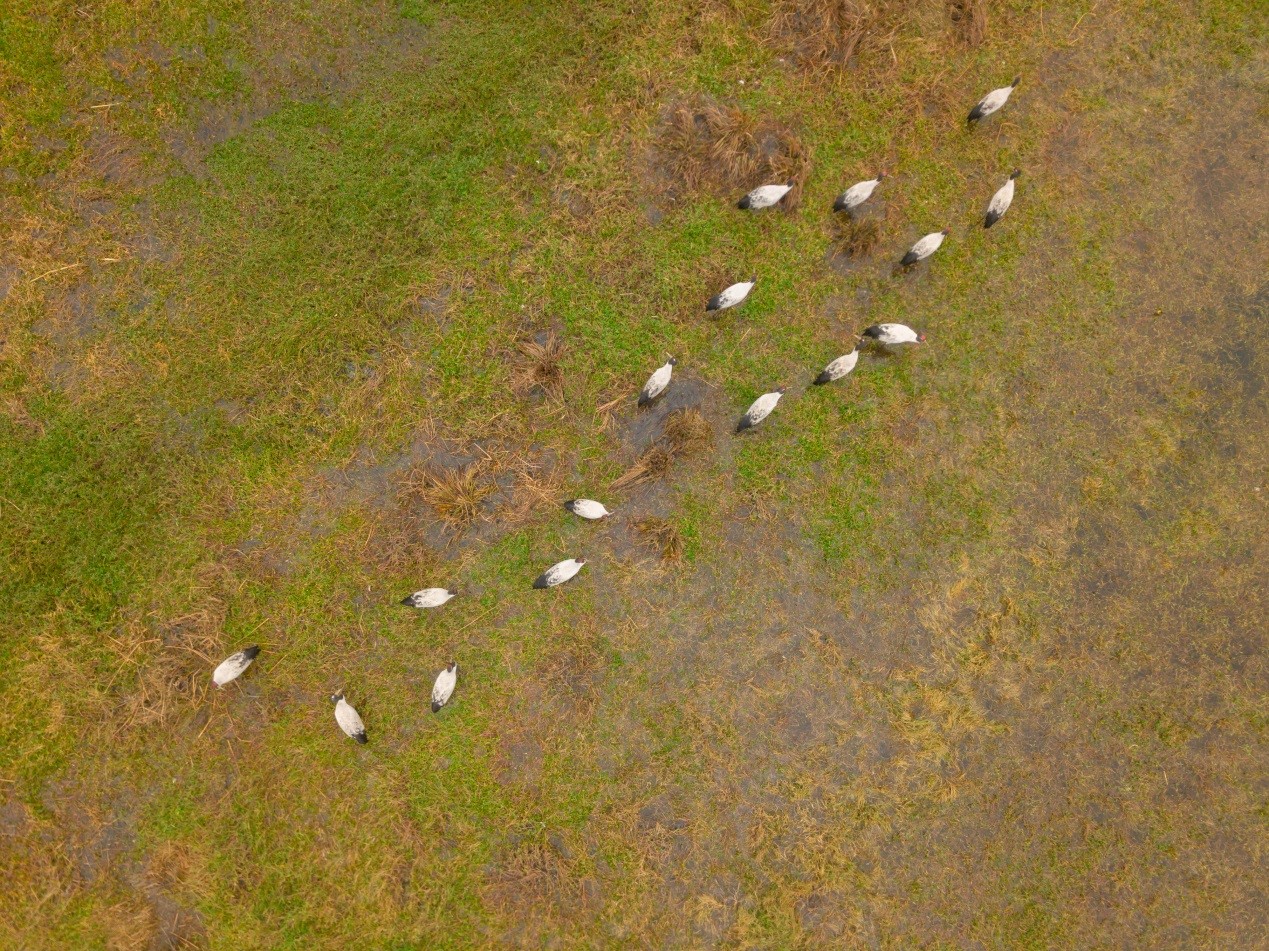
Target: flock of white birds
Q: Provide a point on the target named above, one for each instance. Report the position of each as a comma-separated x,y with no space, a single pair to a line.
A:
887,336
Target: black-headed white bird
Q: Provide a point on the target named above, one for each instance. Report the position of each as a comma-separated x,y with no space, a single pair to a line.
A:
764,196
587,508
443,689
839,367
658,383
1001,201
992,101
559,573
349,720
760,409
732,295
231,667
429,598
858,193
925,247
893,335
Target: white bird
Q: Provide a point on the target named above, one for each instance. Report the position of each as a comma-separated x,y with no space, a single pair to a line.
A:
760,410
839,367
587,508
893,335
443,689
764,196
992,101
857,194
925,247
231,667
428,598
732,295
1000,201
349,720
658,382
558,574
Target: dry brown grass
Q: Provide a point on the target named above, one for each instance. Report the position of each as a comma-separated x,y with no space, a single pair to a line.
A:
856,237
687,432
969,20
663,536
539,367
703,143
455,495
531,877
823,34
653,464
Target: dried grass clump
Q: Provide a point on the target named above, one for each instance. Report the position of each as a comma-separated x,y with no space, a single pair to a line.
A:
687,432
705,144
824,34
532,877
856,237
455,495
539,369
663,536
652,465
969,20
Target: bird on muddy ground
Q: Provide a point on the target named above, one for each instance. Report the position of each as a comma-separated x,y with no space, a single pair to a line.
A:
732,295
587,509
764,196
349,719
429,598
232,667
993,101
924,248
557,574
893,335
840,367
857,194
658,383
1000,201
760,409
443,689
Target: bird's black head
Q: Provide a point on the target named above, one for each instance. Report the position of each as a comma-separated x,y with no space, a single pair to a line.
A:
1016,80
581,561
920,338
1015,173
881,176
754,279
673,361
450,666
336,697
791,182
780,390
945,232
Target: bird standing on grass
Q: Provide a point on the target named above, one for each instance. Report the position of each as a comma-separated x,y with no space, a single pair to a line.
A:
349,720
443,689
760,409
893,335
924,248
993,101
587,508
428,598
232,667
857,194
559,573
732,295
764,196
1001,201
658,383
839,367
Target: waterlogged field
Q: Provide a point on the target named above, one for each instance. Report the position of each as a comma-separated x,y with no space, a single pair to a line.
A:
306,306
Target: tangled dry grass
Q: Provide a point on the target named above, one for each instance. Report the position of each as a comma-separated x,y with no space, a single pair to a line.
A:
705,144
539,370
663,536
455,495
969,20
856,237
823,34
686,432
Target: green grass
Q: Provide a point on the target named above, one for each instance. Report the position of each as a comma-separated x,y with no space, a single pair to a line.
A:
826,689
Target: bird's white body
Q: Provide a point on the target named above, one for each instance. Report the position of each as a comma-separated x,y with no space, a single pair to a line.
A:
232,667
731,296
429,598
443,689
349,720
764,197
925,247
1000,203
587,508
856,195
559,573
657,383
760,409
893,335
839,367
992,102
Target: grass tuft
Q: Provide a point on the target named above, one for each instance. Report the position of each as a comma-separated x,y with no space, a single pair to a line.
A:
455,495
662,535
969,20
654,464
823,34
687,432
539,369
856,237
